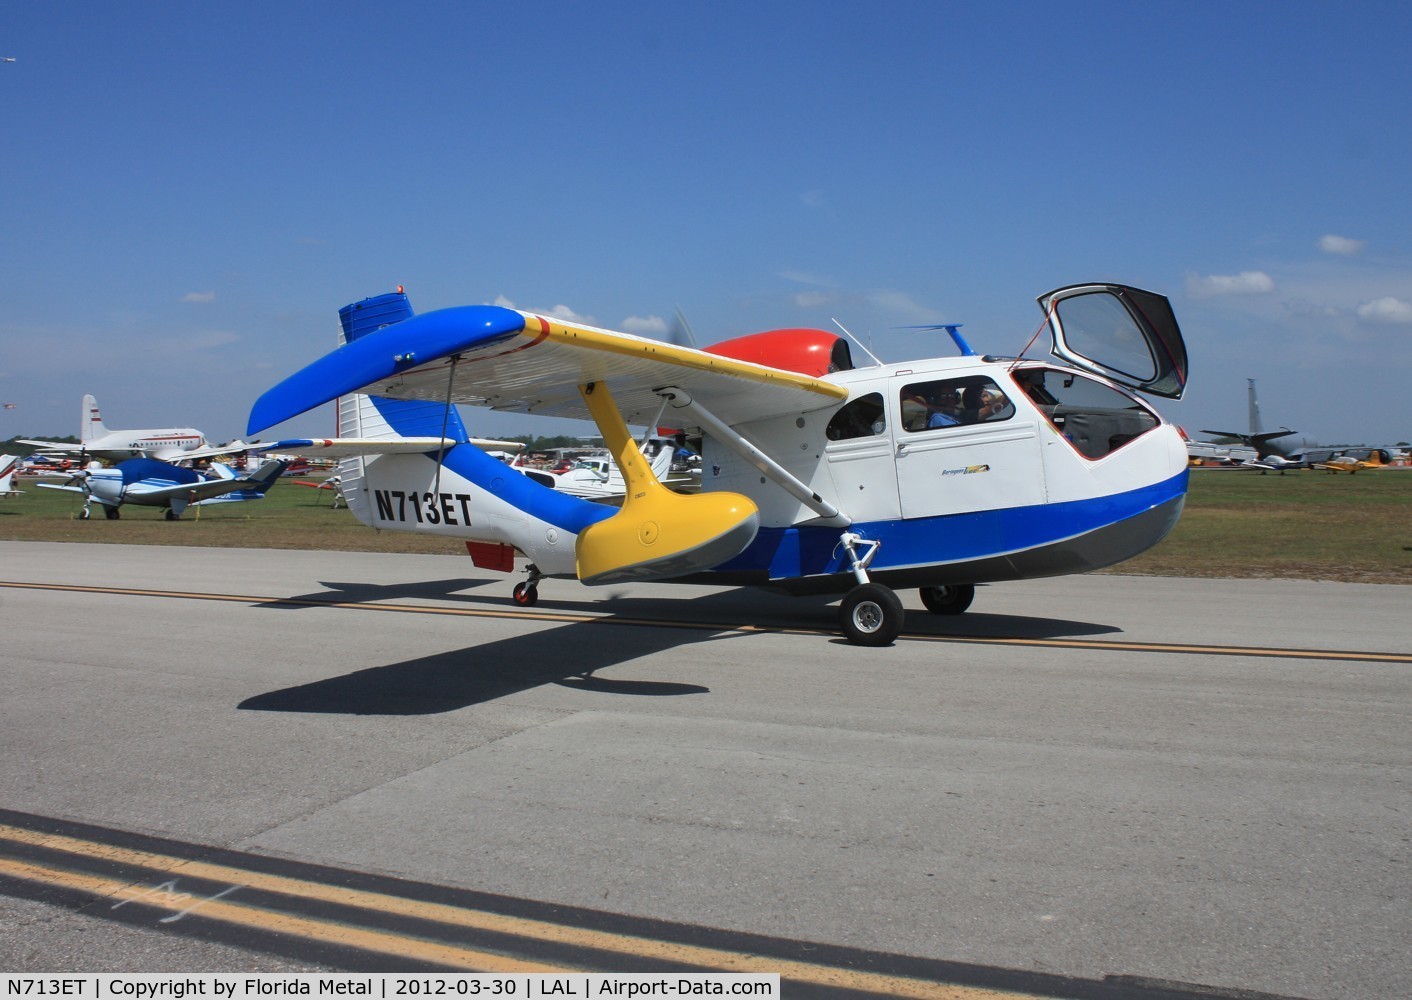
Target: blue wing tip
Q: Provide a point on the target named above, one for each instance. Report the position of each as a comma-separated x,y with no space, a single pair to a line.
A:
379,354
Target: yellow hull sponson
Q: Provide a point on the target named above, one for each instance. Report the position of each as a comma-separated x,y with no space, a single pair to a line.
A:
657,534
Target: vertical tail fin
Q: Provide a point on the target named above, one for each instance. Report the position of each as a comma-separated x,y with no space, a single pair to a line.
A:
378,416
90,424
361,416
1255,425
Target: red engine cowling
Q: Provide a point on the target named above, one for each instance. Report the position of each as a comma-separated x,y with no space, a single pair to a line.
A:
808,352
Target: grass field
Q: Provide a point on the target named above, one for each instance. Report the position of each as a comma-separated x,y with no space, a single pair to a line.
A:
1304,525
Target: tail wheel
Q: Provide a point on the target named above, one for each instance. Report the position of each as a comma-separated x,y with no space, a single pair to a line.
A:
526,595
871,615
951,600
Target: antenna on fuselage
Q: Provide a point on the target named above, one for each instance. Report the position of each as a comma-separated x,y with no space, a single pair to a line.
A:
876,360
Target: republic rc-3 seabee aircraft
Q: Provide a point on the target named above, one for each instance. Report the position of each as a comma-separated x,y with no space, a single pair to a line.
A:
818,476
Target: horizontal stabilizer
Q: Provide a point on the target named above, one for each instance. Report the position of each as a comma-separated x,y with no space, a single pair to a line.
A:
348,447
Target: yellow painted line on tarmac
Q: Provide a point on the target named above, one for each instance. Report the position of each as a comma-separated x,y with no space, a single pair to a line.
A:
1176,647
608,618
408,946
259,918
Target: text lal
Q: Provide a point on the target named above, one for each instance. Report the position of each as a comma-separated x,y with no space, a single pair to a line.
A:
631,988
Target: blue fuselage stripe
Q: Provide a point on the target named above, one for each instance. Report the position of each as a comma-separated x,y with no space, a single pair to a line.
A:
952,538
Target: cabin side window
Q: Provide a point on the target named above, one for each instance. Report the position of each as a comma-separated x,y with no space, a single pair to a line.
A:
1096,419
861,417
953,402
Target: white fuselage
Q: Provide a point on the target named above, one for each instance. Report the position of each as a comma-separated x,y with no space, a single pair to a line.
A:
1039,487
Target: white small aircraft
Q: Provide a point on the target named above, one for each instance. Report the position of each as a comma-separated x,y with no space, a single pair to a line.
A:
9,464
97,441
818,476
148,482
597,477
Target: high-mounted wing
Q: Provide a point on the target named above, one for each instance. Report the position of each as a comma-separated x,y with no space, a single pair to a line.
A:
68,447
521,362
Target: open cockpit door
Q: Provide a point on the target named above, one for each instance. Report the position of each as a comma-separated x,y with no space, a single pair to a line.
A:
1121,333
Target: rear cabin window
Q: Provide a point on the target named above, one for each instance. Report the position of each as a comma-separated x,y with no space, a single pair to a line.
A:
861,417
1096,419
953,402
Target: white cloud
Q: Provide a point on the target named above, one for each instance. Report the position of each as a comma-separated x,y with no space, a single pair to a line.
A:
805,278
814,300
901,305
557,312
565,313
1341,245
1386,310
647,325
1245,283
199,298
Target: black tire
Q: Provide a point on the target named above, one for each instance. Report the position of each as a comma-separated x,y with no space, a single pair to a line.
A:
871,615
525,595
112,513
171,514
951,600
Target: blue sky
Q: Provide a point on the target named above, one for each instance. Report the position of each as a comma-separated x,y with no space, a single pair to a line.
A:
190,191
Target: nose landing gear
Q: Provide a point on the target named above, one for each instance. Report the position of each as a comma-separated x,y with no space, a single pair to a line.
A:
871,614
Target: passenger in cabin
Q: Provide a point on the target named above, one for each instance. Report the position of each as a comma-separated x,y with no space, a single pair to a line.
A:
944,410
978,404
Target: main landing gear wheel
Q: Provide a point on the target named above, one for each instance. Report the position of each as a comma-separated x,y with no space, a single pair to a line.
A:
111,513
171,514
871,615
526,595
951,600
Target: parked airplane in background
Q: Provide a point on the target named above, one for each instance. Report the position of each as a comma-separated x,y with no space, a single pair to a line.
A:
333,485
9,465
597,477
1258,438
150,483
1375,458
817,476
97,441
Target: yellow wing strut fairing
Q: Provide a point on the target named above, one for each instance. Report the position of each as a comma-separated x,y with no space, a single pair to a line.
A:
657,534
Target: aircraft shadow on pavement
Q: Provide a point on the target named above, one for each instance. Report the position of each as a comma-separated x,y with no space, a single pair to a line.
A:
755,607
362,592
444,682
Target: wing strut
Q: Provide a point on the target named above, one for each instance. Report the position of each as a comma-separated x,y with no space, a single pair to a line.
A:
445,419
731,438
